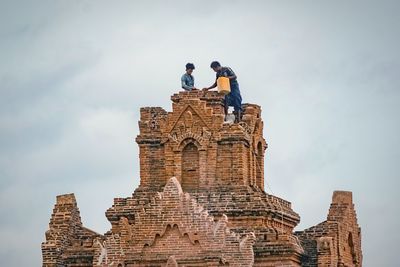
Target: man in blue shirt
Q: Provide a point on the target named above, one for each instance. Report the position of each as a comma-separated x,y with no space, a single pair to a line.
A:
233,99
187,79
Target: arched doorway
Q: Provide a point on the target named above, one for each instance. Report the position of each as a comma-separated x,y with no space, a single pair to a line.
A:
190,167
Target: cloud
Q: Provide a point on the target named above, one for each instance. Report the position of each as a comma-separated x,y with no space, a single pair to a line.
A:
74,74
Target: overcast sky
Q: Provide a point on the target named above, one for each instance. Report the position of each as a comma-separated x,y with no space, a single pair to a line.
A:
73,75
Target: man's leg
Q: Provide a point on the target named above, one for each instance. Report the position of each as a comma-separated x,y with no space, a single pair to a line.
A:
238,114
226,107
237,102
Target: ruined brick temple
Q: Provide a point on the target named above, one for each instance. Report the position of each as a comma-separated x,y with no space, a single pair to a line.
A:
201,202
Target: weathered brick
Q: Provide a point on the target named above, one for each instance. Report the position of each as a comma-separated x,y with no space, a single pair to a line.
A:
201,202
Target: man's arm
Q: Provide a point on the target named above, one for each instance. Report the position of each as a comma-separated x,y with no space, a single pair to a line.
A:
231,74
211,87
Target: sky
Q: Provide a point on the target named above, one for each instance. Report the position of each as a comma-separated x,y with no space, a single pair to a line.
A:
74,74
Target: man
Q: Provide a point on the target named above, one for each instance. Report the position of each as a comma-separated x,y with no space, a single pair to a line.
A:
233,99
187,79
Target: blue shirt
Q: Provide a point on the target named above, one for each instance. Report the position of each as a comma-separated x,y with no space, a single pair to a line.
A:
187,82
225,72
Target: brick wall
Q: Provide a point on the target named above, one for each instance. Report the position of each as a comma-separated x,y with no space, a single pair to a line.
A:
227,153
201,202
338,239
66,237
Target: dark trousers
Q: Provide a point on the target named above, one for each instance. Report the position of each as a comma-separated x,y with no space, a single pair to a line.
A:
234,99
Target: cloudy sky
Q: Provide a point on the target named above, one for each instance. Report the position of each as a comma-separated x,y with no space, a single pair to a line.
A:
73,75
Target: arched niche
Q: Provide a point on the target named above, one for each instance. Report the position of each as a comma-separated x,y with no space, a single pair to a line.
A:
190,167
259,165
352,249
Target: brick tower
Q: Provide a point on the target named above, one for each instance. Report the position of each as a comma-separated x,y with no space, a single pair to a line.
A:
201,202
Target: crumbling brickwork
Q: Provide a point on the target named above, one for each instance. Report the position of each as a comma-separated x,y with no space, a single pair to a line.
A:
201,202
68,243
337,241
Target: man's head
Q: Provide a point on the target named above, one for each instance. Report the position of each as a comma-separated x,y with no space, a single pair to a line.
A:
215,66
189,68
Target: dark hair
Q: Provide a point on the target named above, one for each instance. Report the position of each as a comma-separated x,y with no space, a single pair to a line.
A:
190,66
215,64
